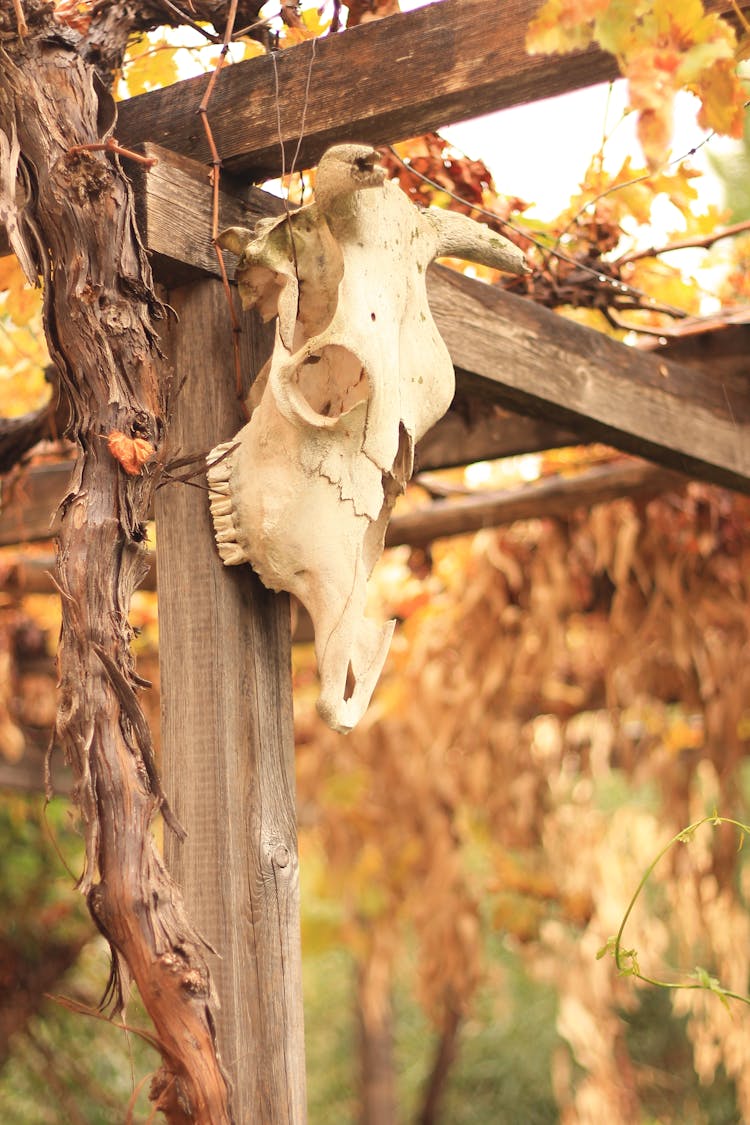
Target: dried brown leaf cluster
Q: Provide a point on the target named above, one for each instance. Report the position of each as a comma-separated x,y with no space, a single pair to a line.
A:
540,668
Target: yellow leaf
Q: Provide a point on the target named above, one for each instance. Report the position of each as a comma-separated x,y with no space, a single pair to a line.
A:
293,36
11,274
563,25
312,21
655,133
23,304
251,48
149,65
723,98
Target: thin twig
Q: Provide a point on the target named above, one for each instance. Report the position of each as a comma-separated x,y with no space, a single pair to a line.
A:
23,27
741,16
304,106
85,1010
258,23
280,134
185,18
698,242
111,145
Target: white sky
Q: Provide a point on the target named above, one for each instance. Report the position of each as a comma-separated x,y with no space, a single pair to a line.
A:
540,151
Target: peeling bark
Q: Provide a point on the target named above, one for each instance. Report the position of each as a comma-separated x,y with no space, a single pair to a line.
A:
69,217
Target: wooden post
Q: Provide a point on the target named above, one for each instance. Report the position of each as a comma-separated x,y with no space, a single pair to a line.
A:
228,741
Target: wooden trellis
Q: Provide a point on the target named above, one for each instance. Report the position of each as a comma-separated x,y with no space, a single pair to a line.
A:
227,737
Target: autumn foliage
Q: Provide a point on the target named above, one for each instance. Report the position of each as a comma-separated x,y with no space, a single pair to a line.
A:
563,695
661,46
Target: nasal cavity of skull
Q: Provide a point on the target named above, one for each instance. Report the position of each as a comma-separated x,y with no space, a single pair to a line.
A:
351,683
332,381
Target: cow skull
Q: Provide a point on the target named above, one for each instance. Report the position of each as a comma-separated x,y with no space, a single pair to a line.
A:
358,374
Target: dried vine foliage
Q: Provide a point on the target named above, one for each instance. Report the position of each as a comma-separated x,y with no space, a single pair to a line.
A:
534,668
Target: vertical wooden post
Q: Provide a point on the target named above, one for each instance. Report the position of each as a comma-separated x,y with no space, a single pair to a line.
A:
228,741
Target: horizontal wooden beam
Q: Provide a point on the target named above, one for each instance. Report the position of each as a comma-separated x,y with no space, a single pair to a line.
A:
381,82
174,206
475,430
378,83
29,502
529,359
552,497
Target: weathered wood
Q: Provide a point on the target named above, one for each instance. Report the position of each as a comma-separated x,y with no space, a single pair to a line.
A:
556,496
408,74
174,204
228,742
29,502
530,359
475,430
377,83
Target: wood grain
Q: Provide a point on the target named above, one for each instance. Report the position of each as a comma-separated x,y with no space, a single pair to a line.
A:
378,83
228,742
174,204
527,358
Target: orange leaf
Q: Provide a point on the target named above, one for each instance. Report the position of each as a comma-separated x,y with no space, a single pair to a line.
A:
132,453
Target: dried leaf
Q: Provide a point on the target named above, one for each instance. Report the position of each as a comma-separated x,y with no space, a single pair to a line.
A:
132,453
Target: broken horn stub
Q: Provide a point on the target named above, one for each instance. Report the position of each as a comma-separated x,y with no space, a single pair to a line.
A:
358,374
234,239
461,237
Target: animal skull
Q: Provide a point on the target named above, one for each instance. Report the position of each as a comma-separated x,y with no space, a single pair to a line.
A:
358,374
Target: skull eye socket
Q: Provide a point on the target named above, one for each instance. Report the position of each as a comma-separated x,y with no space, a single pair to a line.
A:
332,381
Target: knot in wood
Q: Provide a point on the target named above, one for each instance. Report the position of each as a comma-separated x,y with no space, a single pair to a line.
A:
280,856
87,178
171,962
194,983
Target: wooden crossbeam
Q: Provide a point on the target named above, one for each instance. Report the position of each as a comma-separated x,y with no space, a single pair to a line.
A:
530,359
381,82
552,497
29,502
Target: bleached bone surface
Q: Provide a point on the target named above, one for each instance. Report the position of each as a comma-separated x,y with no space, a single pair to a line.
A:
358,374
